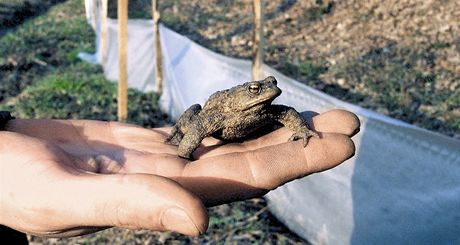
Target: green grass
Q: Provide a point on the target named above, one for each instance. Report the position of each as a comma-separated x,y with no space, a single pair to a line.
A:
44,45
39,62
15,12
81,91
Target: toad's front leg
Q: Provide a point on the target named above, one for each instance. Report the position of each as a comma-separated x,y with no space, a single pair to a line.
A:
180,128
191,140
290,118
202,126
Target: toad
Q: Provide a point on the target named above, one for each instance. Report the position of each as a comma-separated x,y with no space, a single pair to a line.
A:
234,114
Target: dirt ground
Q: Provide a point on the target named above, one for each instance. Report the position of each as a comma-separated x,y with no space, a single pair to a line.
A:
400,58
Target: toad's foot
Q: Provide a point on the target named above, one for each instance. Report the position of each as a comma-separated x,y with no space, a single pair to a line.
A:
304,135
175,137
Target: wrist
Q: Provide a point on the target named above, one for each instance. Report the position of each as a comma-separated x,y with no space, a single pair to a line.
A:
5,116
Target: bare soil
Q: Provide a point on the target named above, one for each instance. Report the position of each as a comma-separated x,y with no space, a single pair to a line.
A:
399,58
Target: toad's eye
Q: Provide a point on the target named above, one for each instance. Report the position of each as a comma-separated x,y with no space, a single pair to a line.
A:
254,89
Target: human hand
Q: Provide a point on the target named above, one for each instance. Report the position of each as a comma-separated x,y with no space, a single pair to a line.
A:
65,178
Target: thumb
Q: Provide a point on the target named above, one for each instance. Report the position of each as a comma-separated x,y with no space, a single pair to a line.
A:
139,201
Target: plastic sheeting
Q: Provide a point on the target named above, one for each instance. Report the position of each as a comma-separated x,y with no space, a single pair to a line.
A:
402,186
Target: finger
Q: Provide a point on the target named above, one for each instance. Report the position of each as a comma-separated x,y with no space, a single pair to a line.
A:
137,201
71,232
237,176
126,137
58,131
333,121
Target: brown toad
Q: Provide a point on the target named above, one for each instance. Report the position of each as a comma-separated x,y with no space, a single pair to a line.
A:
235,113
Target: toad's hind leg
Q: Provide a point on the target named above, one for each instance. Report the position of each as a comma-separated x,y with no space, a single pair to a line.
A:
182,125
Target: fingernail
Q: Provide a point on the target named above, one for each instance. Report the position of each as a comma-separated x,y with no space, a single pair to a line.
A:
176,219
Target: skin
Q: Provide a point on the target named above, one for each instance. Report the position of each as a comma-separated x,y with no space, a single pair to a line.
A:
72,177
234,114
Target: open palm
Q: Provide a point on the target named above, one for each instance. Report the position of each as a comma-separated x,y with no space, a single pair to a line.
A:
71,177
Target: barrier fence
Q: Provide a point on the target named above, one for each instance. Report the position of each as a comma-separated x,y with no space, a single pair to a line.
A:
122,111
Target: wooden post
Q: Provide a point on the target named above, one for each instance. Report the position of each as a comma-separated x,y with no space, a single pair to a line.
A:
258,40
122,60
103,47
158,54
94,20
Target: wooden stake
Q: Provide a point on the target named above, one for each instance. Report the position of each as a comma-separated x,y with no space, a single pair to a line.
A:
258,40
104,30
94,20
158,54
122,60
103,48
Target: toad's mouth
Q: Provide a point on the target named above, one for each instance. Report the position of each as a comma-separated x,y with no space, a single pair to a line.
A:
260,101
